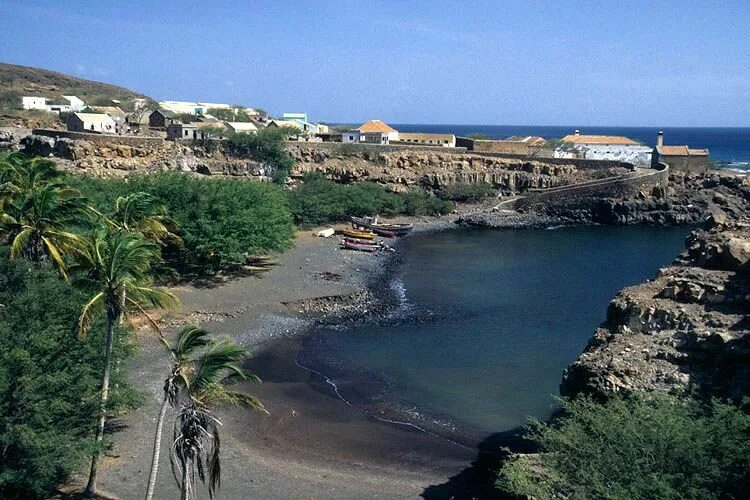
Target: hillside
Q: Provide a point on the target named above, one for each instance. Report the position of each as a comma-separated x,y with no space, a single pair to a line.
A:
17,81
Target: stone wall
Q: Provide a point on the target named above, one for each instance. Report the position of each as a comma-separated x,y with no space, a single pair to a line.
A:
499,146
136,141
582,194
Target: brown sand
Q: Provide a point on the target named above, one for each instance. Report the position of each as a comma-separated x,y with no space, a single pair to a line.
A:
313,445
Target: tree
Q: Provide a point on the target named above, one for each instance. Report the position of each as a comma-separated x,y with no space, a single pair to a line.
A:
116,267
144,213
189,340
267,145
37,211
196,444
49,381
234,114
642,446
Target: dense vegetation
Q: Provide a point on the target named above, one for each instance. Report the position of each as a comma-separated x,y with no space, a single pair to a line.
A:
219,221
466,193
49,380
70,274
318,201
236,114
266,145
647,446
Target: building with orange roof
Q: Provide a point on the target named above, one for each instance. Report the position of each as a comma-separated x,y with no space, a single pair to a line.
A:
379,127
680,157
604,147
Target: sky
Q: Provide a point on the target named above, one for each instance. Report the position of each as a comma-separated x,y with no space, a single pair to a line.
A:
627,63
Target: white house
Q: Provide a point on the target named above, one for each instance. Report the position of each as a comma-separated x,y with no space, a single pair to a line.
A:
91,122
34,102
196,108
350,136
43,103
76,104
379,126
604,147
238,127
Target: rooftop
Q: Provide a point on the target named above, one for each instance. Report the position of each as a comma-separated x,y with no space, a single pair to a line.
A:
93,117
376,126
599,139
681,151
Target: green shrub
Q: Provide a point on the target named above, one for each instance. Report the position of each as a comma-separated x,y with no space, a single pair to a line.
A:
649,446
220,220
466,192
266,145
49,381
318,201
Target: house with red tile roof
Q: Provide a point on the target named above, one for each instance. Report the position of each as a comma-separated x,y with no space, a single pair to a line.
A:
680,157
377,126
604,147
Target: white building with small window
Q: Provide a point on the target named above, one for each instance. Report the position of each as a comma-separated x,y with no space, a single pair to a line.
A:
604,147
92,122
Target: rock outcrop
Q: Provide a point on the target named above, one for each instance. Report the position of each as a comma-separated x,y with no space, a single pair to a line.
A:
400,170
687,329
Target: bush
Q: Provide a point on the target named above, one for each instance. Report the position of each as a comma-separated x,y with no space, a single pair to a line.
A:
647,446
49,381
465,192
220,220
266,145
318,201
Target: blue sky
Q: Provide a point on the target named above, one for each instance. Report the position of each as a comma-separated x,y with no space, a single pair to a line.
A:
522,63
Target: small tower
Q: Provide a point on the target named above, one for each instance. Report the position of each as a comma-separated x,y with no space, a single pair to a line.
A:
660,139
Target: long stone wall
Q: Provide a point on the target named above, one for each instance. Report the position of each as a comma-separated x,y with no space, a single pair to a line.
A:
137,141
583,193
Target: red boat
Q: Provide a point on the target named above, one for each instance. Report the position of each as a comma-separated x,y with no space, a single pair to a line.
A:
362,247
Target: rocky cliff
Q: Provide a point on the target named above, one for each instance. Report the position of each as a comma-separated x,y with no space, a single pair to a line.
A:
686,329
403,169
399,170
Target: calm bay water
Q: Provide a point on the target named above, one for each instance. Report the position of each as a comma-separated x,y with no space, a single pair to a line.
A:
489,320
729,145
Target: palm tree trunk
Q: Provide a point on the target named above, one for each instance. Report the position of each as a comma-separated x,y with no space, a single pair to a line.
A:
157,449
91,486
185,493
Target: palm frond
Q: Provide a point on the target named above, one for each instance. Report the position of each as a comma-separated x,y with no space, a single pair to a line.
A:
91,310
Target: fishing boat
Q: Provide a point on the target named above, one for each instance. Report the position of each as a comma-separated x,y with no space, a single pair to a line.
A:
360,241
373,224
354,233
350,245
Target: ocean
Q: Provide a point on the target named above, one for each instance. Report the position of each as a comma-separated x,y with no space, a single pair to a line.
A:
487,322
728,146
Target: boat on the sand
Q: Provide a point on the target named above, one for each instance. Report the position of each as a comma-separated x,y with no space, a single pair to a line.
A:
354,233
351,245
360,241
373,225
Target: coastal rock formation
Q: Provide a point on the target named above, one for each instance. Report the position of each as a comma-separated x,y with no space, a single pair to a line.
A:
400,170
685,329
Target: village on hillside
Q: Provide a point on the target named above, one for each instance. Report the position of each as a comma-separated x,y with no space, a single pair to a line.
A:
185,121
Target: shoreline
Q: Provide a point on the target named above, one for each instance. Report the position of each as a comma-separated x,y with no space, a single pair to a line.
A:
313,445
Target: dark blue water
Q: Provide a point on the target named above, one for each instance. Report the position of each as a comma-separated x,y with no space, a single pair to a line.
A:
726,145
489,320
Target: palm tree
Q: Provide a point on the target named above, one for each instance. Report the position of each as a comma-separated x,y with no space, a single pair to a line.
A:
117,268
37,223
190,339
37,210
144,213
196,442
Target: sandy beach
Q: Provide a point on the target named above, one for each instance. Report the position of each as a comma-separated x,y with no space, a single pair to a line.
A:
312,445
